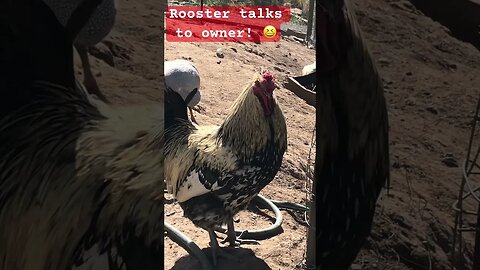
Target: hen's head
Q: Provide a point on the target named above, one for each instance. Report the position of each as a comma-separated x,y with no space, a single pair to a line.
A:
263,90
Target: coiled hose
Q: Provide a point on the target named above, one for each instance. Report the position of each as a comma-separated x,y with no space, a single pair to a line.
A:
262,234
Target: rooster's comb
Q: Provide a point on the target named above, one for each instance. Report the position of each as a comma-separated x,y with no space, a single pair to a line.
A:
267,76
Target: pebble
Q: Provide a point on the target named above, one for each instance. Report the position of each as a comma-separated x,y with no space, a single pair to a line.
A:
220,53
384,61
449,161
432,110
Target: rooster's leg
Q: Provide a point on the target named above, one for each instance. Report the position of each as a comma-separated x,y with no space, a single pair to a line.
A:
191,115
88,79
216,250
232,238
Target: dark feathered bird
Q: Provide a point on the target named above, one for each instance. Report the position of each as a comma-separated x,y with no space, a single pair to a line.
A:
352,163
215,171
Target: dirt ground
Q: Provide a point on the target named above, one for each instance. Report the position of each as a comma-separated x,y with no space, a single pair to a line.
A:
431,80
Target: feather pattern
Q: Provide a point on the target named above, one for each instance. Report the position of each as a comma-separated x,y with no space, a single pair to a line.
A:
74,173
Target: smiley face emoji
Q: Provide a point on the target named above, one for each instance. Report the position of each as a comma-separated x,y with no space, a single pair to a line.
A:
269,31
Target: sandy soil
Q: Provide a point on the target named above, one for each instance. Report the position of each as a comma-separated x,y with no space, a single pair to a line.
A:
431,83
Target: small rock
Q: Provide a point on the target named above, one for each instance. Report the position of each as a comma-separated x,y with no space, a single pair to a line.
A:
219,61
450,161
432,110
420,256
410,101
220,53
384,61
233,49
409,73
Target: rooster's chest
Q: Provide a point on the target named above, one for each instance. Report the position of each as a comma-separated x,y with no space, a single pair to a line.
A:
240,186
225,193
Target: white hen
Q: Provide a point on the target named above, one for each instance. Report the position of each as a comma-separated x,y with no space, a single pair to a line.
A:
183,77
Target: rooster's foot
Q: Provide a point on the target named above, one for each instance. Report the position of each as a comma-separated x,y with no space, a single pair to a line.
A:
236,241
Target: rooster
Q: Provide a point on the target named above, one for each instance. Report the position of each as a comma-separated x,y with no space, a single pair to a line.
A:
215,171
352,162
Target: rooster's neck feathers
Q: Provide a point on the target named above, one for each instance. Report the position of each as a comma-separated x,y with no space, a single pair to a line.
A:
247,130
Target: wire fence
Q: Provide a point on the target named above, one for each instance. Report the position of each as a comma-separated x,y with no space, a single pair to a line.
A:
467,206
309,193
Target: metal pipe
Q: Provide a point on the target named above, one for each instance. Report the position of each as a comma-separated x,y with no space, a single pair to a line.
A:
261,234
311,9
190,246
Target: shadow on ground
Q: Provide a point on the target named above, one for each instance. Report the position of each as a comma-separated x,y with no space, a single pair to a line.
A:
245,260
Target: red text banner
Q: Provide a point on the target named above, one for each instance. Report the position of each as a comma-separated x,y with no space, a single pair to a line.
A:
225,23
